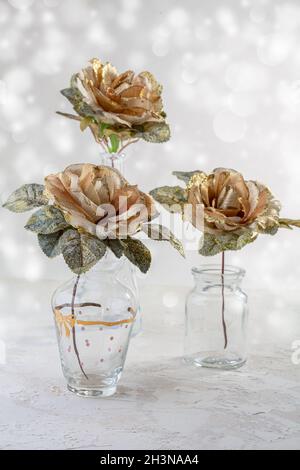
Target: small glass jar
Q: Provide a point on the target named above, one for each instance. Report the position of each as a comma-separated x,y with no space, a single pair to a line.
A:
94,315
216,318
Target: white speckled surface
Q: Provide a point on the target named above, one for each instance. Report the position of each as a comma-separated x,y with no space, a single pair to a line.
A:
161,403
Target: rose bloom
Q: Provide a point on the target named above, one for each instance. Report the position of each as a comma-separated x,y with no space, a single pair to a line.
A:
122,99
98,200
231,204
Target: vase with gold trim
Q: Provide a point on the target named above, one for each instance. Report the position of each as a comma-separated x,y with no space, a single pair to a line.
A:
94,316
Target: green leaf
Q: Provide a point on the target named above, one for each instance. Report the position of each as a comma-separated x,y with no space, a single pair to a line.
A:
115,245
184,175
155,132
79,105
114,143
103,126
47,220
72,94
172,198
270,229
73,80
81,251
27,197
159,232
216,243
86,122
137,253
50,243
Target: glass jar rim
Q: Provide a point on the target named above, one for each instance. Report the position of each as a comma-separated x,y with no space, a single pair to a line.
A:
214,271
114,155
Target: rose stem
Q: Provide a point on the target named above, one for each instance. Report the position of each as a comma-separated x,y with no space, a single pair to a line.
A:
73,327
128,143
223,301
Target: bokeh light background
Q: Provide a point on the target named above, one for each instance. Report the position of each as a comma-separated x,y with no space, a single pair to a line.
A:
231,76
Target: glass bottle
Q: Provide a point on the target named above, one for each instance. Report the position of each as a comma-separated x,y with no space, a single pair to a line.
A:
94,315
216,318
127,273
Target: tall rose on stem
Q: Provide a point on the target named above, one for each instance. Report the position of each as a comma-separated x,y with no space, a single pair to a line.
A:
235,211
86,210
118,108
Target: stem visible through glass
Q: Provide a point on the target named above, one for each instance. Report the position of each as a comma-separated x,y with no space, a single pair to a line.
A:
223,301
73,327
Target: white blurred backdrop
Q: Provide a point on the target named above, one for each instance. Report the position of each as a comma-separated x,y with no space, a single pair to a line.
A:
231,77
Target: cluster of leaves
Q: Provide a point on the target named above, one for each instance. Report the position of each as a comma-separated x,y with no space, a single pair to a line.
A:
155,132
79,249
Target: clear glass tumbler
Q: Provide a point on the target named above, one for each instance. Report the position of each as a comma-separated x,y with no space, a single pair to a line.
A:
94,315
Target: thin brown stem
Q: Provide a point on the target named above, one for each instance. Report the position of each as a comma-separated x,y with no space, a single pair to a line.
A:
126,145
223,301
73,327
69,116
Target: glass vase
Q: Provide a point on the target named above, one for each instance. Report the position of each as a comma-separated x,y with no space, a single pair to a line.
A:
216,319
128,272
94,315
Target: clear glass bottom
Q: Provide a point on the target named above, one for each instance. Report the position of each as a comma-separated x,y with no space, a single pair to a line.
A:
215,361
95,385
93,392
216,318
94,315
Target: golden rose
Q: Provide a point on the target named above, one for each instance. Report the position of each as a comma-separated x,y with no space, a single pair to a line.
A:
98,200
232,204
122,99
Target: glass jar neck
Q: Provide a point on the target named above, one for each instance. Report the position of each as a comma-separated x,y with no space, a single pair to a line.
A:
212,275
108,265
113,160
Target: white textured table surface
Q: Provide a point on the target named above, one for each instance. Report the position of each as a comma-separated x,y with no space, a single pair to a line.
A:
160,403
